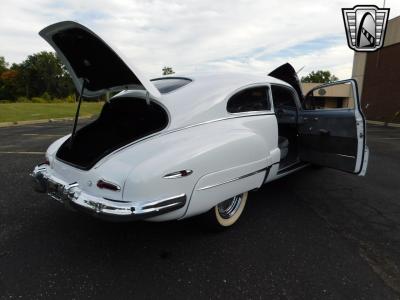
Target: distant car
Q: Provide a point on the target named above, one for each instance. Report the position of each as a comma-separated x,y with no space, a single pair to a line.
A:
175,147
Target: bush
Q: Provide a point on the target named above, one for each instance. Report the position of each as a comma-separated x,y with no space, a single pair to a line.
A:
46,96
70,99
23,99
39,100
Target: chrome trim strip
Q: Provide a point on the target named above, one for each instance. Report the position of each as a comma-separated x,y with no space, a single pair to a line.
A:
287,172
118,201
158,202
290,167
231,180
162,133
178,174
348,156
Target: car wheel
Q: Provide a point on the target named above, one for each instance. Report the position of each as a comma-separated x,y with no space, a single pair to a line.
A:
227,213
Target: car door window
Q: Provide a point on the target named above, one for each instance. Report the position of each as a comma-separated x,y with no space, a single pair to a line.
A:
251,99
338,96
283,97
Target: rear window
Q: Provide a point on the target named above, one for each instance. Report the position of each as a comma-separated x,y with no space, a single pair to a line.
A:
251,99
166,85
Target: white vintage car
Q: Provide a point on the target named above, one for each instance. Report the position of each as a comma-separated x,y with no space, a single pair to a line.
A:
175,147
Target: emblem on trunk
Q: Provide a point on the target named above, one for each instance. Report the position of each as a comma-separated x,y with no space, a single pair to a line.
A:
365,26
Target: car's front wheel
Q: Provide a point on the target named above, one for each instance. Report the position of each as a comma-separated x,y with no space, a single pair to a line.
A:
227,213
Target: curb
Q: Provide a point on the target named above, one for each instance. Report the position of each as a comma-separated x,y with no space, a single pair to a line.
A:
397,125
31,122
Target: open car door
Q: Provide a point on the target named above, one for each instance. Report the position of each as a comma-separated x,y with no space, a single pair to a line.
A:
331,128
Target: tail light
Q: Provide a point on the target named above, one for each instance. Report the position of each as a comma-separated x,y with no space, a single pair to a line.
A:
102,184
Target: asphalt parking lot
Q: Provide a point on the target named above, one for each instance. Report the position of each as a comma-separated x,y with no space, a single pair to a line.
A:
317,234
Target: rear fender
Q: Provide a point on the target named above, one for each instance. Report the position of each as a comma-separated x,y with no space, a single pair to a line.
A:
215,152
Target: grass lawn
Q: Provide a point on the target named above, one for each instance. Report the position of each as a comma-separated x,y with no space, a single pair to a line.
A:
11,112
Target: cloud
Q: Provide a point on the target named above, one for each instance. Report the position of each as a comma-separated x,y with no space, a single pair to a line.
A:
244,35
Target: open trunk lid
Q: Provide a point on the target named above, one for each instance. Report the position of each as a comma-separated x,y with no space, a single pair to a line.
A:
88,58
287,73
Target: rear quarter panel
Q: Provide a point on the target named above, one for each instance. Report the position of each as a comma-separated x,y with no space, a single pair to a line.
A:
216,152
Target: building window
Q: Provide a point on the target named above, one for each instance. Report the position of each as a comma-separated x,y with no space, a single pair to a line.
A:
335,96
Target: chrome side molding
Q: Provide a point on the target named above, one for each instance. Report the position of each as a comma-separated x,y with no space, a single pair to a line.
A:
178,174
231,180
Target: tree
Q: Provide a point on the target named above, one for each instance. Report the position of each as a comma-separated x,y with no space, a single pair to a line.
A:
319,77
8,84
3,65
4,78
42,73
167,71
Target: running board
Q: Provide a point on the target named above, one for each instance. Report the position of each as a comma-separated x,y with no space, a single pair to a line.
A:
291,167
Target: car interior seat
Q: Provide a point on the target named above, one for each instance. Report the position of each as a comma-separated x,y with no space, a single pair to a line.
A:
283,144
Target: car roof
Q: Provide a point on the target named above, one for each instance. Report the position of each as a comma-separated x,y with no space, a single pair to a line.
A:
229,79
204,98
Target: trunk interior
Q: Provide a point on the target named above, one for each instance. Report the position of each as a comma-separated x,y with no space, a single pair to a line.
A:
121,121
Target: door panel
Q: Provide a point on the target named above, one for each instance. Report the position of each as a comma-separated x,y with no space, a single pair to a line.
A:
322,142
332,128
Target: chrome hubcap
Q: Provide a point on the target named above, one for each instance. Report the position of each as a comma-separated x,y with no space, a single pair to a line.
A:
229,207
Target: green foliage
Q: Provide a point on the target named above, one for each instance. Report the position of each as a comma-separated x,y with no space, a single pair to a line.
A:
40,75
46,96
40,78
23,99
320,76
3,65
70,99
39,100
167,71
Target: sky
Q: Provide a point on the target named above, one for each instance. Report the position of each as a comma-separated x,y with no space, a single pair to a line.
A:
194,36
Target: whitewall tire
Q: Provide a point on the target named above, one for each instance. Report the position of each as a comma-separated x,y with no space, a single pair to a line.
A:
226,213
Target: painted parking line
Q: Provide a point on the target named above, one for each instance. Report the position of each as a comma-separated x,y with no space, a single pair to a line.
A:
23,152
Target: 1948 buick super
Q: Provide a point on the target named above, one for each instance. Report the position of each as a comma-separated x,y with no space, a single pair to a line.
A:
174,147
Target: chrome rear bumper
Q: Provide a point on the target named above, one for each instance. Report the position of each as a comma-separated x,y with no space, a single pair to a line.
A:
73,197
